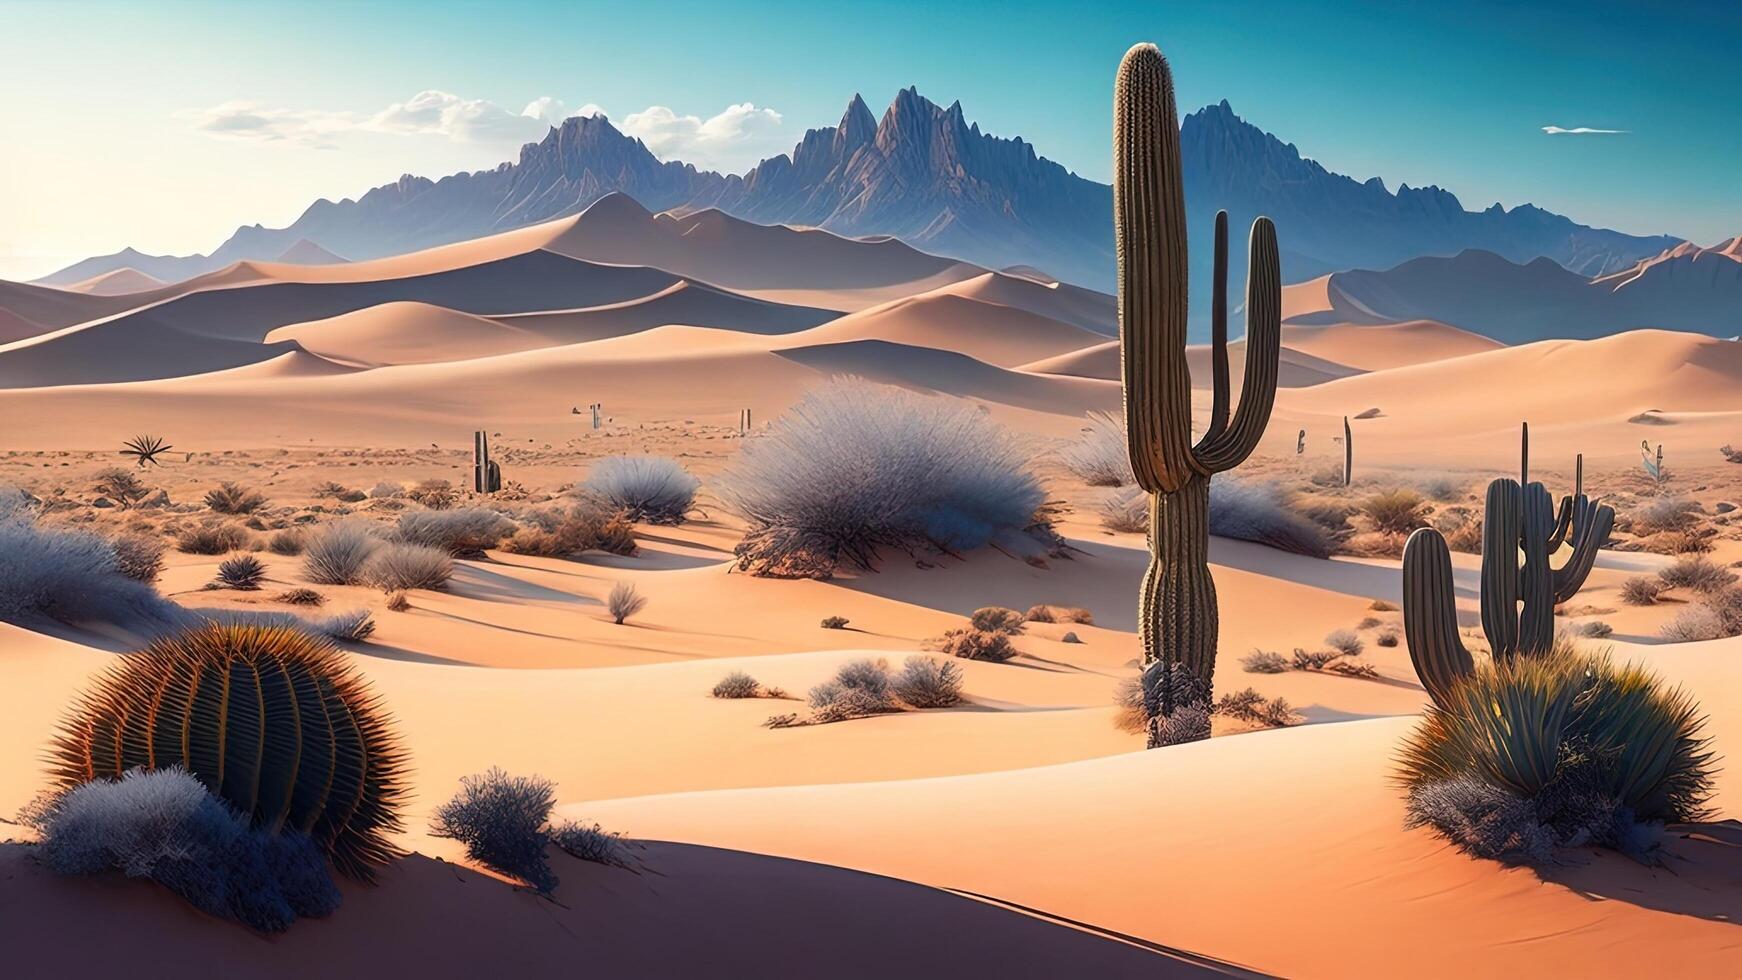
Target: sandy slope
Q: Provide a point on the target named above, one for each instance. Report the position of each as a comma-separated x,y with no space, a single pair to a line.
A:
1375,348
1295,369
117,282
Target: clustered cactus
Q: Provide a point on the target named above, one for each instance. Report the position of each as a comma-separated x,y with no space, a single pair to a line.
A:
1518,596
1178,621
273,721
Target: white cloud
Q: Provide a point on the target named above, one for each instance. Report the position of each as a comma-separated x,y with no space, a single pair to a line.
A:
1580,131
238,120
734,140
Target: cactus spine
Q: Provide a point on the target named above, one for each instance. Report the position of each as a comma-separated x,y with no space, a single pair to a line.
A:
1518,596
1177,619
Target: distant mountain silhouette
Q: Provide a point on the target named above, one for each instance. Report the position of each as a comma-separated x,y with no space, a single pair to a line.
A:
926,175
1684,288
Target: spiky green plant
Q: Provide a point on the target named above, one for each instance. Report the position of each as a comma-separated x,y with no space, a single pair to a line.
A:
1519,725
1177,620
272,720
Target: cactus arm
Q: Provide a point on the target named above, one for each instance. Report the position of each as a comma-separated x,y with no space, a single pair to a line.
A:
1230,447
1219,334
1150,242
1500,579
1593,522
1524,454
1430,615
1536,576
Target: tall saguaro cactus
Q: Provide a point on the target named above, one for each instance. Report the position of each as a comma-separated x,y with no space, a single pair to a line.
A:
1177,618
1520,584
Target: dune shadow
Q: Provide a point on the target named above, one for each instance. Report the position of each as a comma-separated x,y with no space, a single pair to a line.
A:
1702,876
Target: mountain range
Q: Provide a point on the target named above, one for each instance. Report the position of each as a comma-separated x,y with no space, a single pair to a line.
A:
924,174
1683,288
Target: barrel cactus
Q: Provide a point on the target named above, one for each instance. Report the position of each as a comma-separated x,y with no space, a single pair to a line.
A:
1177,620
273,721
1520,585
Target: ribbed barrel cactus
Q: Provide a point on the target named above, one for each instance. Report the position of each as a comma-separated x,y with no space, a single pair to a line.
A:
273,721
1520,585
1177,619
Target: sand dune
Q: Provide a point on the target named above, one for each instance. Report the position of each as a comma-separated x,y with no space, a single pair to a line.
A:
688,303
988,331
1079,307
1374,348
1294,370
406,333
305,252
117,282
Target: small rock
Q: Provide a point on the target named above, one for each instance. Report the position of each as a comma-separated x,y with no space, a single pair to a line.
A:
158,499
102,502
1723,506
1069,638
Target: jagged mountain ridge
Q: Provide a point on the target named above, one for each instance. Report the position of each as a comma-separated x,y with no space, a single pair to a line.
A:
924,174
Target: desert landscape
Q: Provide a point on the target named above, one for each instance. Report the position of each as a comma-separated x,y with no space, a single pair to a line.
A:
663,583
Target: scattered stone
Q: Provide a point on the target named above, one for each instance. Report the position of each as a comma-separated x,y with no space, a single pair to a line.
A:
1070,638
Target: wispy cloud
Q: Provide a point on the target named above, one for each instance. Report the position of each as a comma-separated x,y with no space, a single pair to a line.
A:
732,139
1580,131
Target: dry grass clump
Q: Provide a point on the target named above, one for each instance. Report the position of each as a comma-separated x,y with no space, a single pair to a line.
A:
1059,614
1396,511
1692,625
1125,511
504,822
212,538
398,602
859,689
926,682
1387,637
1641,591
624,602
464,533
336,554
434,494
1664,514
1594,628
1262,513
395,566
856,467
996,619
1264,662
737,684
834,622
300,597
1250,706
1380,605
1100,456
1346,642
1441,486
568,529
1697,574
68,576
243,572
1671,543
972,644
287,542
652,489
234,498
1558,750
139,556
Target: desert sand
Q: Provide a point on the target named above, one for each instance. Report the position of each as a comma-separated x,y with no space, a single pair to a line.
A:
1024,834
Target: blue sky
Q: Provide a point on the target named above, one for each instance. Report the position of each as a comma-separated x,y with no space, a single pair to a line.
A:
165,125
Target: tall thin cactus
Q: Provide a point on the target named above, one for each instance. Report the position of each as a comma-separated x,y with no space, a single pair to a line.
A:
1348,453
1520,585
1177,620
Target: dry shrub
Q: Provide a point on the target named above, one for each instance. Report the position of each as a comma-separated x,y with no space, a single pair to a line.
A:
395,567
1263,514
139,557
286,542
737,684
1345,642
212,538
244,572
300,597
1100,456
1125,511
1264,662
1641,591
336,554
654,489
464,533
926,682
567,529
1250,706
1664,514
234,498
972,644
624,602
1396,511
1696,574
996,619
1059,614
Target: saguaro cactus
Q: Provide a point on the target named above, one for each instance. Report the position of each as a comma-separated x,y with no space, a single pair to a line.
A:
1348,453
1518,596
1177,620
486,475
